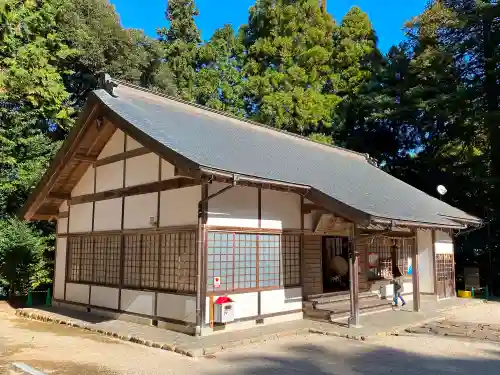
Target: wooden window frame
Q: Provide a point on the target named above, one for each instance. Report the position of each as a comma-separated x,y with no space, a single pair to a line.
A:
133,267
269,276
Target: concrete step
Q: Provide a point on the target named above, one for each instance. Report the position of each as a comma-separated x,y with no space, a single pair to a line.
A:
337,297
331,311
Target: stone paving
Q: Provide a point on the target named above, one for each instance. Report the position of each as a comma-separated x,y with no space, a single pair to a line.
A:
477,327
381,323
62,350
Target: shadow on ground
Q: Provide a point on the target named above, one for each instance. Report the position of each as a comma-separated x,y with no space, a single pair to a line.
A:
361,359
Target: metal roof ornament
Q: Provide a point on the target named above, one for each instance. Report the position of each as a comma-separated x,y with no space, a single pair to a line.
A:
107,83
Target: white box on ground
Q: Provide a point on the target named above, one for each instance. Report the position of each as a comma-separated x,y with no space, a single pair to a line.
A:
224,312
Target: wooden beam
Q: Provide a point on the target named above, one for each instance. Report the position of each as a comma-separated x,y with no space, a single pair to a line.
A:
45,217
59,196
63,215
415,274
307,208
85,158
153,187
122,156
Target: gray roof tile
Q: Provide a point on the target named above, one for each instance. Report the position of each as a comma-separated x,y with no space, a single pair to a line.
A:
224,143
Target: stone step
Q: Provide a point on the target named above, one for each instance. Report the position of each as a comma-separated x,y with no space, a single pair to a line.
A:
339,297
329,312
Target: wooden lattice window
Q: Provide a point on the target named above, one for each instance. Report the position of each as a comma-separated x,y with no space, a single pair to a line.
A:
168,261
150,253
186,277
243,261
86,259
269,261
291,259
74,258
382,247
445,267
132,261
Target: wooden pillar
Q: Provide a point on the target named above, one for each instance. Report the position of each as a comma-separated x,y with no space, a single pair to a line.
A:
415,273
354,279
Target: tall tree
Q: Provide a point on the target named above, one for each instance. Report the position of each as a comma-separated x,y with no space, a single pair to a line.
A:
357,66
181,40
219,82
288,46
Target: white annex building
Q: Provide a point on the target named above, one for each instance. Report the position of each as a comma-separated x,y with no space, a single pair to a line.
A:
162,207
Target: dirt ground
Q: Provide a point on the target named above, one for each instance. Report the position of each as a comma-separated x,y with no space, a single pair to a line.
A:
60,350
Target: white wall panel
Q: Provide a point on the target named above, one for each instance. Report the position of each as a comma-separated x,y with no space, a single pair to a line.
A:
63,207
274,301
139,209
280,210
108,215
142,169
442,236
167,170
109,176
85,185
237,207
137,301
114,146
60,268
444,248
80,218
180,206
425,261
104,297
77,293
62,225
132,144
177,307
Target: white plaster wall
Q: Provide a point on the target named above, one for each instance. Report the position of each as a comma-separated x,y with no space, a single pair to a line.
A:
77,293
138,210
114,146
273,301
442,236
237,207
178,307
109,176
167,170
80,218
142,169
63,207
308,221
132,144
425,261
444,248
104,297
137,301
280,210
60,268
179,206
108,215
62,225
85,185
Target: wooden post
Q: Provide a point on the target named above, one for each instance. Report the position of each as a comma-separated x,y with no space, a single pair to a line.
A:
354,280
415,274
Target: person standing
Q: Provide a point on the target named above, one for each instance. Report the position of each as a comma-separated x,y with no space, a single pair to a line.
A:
397,281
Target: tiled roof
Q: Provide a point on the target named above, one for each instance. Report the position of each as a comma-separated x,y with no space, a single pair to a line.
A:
213,140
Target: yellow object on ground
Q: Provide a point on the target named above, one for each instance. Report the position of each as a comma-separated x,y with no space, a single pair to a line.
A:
465,294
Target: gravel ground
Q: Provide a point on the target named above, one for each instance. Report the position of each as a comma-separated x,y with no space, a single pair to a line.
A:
61,350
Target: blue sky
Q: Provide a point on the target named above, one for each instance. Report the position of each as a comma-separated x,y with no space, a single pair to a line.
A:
387,16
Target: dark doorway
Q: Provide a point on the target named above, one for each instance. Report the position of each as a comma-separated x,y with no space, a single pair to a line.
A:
335,264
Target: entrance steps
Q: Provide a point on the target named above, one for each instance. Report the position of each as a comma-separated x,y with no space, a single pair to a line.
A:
331,306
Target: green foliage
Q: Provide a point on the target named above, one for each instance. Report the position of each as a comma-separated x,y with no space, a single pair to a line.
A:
428,110
181,40
288,52
22,261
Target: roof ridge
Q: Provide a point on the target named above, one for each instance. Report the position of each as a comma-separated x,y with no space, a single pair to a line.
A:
369,159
